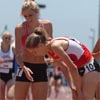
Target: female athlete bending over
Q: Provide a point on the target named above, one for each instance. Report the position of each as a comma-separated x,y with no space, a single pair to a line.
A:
74,54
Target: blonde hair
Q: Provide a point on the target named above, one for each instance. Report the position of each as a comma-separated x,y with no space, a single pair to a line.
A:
6,33
30,4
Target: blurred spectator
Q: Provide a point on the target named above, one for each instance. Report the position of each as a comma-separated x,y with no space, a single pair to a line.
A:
7,72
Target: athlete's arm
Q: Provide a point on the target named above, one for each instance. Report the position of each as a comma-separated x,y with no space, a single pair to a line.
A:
97,46
96,55
72,67
19,53
96,50
66,72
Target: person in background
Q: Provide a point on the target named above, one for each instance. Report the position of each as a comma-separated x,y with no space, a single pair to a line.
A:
54,77
32,70
7,72
74,55
57,79
50,74
96,54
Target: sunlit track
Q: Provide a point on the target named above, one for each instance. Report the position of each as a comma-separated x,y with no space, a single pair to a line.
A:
64,94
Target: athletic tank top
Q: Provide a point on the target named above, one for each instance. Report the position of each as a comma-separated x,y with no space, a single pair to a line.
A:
78,52
8,58
27,32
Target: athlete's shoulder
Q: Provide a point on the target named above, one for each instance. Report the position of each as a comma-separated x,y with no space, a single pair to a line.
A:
47,25
20,25
45,21
54,43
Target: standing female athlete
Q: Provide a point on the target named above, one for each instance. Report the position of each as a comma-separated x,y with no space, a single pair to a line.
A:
32,69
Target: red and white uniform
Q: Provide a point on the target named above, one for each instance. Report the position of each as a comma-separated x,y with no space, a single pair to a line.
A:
78,52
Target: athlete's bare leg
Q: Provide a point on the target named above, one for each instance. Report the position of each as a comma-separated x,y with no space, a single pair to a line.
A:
89,85
37,88
23,87
2,90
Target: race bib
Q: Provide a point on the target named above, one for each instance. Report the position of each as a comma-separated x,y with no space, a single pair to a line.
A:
19,72
7,65
89,67
4,70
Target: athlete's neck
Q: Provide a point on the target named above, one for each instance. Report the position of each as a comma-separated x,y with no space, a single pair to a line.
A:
33,25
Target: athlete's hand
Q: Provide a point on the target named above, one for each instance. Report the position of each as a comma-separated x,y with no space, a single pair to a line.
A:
74,94
77,96
28,73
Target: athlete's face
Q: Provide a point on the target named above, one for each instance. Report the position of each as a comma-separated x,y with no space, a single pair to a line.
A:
6,38
40,50
29,15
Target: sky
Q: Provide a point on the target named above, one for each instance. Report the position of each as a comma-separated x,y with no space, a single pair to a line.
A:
72,18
